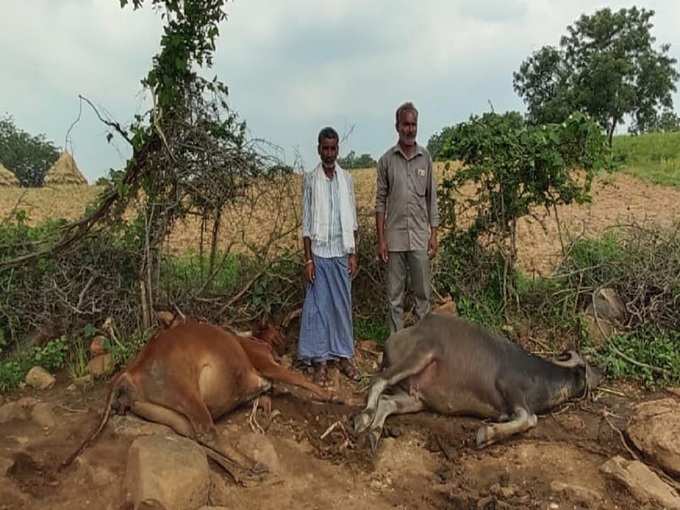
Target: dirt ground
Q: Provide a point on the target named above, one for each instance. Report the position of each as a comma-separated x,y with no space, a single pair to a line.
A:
426,461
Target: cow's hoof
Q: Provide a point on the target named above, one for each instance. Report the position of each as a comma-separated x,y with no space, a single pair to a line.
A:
485,436
361,422
374,440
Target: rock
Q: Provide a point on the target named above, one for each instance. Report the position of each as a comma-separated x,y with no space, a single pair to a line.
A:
446,307
97,345
5,464
655,429
643,484
12,411
577,492
171,470
39,378
130,425
27,402
598,335
100,365
99,476
84,381
259,448
42,415
609,305
369,346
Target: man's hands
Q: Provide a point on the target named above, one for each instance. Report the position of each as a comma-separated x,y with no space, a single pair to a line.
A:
383,253
353,262
310,271
432,245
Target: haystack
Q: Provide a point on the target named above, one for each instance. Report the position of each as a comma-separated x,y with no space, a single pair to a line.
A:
7,178
64,172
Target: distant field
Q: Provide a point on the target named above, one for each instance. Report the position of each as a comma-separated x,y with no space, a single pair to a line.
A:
653,157
617,198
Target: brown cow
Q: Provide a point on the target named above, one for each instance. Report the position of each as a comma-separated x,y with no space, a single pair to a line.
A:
192,373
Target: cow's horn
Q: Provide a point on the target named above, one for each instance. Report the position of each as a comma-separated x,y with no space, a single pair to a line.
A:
569,359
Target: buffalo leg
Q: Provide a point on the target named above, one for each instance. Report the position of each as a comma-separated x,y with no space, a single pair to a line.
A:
521,422
407,367
399,403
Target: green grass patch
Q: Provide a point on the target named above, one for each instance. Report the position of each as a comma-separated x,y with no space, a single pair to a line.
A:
371,329
648,347
653,157
191,269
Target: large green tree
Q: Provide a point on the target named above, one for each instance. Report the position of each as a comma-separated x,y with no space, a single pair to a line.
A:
28,156
607,66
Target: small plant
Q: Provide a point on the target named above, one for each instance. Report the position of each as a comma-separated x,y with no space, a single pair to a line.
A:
371,329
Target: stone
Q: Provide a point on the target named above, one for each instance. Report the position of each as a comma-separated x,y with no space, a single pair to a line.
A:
130,425
171,470
259,448
598,335
42,415
5,464
12,411
642,483
654,428
609,305
100,365
27,402
576,492
98,345
39,378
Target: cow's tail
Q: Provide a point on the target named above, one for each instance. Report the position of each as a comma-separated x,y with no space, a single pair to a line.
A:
115,386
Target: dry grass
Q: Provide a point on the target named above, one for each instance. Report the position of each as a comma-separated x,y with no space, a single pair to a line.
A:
617,199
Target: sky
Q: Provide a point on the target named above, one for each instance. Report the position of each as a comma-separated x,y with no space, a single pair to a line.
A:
292,66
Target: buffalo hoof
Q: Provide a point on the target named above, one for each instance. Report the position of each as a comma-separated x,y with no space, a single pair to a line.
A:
485,436
374,440
361,422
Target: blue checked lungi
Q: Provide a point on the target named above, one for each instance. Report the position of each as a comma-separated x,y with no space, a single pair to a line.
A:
326,324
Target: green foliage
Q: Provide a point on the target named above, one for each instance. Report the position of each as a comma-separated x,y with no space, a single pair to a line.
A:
606,65
654,157
650,346
352,161
513,168
28,156
179,273
371,329
435,144
51,357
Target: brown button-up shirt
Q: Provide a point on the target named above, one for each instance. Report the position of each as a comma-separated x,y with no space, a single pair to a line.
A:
407,193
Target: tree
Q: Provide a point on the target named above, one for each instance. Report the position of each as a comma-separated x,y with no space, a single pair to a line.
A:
514,167
351,161
605,66
666,122
29,157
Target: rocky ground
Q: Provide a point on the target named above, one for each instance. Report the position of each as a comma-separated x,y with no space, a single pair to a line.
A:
620,449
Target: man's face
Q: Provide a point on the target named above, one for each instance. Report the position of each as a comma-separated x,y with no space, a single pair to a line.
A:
328,151
407,127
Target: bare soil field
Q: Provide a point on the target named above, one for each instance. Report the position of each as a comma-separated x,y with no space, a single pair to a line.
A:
428,462
617,199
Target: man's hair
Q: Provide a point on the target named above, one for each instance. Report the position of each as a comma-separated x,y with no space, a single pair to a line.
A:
328,132
406,107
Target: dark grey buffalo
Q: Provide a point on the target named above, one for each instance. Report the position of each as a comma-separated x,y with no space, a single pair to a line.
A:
454,367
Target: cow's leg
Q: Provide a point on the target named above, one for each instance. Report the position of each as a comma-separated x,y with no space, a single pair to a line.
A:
399,403
406,367
521,422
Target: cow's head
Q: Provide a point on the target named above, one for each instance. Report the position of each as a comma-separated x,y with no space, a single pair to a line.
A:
265,330
572,359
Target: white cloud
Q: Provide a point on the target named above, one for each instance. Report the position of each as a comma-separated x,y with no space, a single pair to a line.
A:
291,66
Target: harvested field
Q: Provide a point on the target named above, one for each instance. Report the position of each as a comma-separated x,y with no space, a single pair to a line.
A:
617,199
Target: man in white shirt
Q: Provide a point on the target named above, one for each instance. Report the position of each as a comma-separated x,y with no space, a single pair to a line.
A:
329,227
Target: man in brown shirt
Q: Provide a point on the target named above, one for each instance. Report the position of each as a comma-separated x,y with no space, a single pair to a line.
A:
406,217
